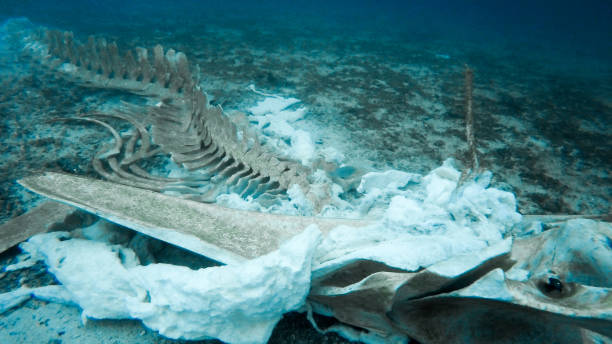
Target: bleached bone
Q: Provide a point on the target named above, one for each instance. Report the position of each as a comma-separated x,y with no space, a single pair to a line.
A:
38,220
226,235
564,295
196,135
98,63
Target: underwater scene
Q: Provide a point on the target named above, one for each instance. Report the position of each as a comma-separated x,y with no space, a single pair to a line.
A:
305,171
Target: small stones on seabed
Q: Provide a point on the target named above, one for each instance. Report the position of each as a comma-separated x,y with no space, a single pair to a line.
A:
295,328
32,277
44,141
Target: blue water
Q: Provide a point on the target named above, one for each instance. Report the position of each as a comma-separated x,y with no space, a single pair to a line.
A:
568,31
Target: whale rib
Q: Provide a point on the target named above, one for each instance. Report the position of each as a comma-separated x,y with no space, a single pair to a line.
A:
183,125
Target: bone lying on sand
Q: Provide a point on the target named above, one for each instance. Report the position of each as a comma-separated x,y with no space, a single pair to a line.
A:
38,220
226,235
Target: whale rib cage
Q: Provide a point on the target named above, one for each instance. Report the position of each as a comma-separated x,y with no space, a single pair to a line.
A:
196,135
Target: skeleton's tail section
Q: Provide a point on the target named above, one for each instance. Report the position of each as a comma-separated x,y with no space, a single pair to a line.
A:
98,63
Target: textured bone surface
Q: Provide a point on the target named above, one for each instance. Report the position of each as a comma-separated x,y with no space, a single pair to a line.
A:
37,220
226,235
544,285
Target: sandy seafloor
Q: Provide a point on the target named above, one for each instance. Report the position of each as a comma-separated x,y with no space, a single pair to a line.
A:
383,98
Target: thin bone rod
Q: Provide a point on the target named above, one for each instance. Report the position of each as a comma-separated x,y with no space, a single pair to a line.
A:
118,140
189,179
114,165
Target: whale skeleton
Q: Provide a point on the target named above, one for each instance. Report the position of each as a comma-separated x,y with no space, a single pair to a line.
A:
565,296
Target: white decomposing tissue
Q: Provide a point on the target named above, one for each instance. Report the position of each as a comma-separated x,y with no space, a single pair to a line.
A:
275,119
50,293
428,222
389,181
238,303
425,220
